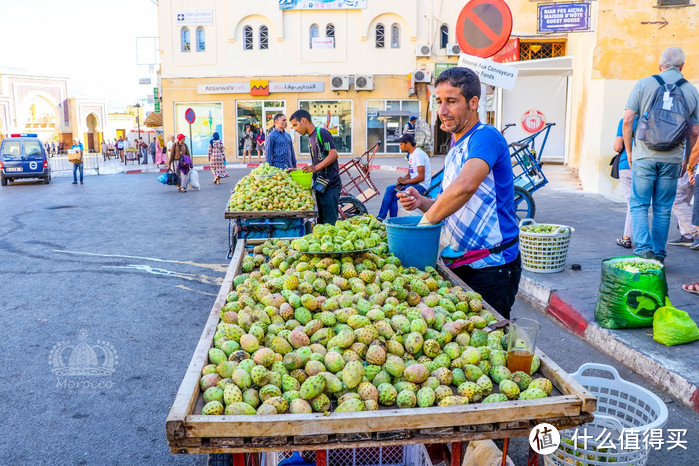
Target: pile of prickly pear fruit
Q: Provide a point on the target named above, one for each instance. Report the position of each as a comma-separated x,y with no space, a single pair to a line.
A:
356,234
269,188
302,333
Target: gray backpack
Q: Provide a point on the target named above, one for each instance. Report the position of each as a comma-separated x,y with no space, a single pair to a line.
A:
665,125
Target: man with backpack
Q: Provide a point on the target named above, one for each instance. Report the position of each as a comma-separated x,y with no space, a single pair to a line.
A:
668,110
324,166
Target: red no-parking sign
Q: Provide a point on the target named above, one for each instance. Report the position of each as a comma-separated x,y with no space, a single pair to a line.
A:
484,27
189,116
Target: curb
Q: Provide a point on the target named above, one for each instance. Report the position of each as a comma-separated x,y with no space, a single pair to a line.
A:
389,168
548,302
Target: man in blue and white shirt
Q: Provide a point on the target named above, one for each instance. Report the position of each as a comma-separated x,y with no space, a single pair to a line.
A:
279,151
477,196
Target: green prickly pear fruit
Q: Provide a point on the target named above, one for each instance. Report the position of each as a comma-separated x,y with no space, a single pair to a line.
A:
314,367
251,397
269,391
352,373
431,348
395,366
479,338
249,343
312,387
371,405
298,339
332,383
208,381
485,385
458,376
291,395
239,408
213,394
367,391
500,373
320,403
509,388
375,355
442,392
406,399
334,361
431,382
266,410
425,397
226,369
300,406
485,366
370,371
416,373
279,403
259,376
212,408
444,376
351,405
470,355
264,357
382,377
469,390
289,383
536,363
522,379
532,394
498,357
395,347
472,372
217,356
413,342
495,398
543,384
453,400
232,394
387,394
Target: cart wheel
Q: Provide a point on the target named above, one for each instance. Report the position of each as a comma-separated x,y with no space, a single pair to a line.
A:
524,203
350,206
220,459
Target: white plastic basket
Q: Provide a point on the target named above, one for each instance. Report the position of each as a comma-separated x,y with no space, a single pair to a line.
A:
544,252
621,405
399,455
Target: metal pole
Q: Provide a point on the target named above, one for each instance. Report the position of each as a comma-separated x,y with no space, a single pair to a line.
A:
191,144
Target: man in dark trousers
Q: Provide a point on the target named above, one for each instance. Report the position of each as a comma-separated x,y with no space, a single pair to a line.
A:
324,166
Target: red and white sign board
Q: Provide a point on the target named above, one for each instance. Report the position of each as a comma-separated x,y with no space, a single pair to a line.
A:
533,120
483,27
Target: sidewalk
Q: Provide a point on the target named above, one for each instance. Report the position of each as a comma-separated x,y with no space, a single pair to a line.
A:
570,296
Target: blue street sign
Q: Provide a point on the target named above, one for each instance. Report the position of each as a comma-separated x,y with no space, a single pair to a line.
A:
564,17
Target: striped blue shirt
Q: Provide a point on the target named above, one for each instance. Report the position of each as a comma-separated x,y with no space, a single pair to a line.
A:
488,218
279,150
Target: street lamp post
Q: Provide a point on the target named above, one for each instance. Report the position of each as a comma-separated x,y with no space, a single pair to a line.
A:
138,124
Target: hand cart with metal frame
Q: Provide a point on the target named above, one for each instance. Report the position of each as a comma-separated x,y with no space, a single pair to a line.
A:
359,188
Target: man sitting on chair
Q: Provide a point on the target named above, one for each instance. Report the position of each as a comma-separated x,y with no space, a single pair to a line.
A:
419,176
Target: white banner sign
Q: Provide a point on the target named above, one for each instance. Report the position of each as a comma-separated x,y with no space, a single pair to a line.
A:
321,4
323,43
195,17
224,88
296,86
490,72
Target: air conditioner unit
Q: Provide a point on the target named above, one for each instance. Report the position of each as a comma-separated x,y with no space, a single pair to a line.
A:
423,50
423,76
364,83
453,49
339,82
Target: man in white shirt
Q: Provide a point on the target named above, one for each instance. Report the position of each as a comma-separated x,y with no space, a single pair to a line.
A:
419,176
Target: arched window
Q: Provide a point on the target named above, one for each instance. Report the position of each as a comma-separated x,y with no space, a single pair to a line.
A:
330,32
443,36
247,36
312,33
264,38
201,39
185,39
395,36
380,36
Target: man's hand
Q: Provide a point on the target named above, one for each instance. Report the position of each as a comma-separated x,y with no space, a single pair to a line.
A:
402,179
309,169
410,199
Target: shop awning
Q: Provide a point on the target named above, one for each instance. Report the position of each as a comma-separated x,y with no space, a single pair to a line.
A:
153,120
557,66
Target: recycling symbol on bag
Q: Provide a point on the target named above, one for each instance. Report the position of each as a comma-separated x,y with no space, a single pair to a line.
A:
642,303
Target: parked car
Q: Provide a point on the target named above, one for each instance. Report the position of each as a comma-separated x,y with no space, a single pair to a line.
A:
23,156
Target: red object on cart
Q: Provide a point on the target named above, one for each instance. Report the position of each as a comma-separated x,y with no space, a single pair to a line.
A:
359,182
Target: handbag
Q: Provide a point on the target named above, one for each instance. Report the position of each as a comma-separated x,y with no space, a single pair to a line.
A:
163,178
614,163
173,179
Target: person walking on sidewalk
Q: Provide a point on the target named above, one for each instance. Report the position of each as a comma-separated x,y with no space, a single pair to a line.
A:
324,166
217,157
654,173
78,149
280,147
476,200
625,178
181,162
260,144
419,176
691,173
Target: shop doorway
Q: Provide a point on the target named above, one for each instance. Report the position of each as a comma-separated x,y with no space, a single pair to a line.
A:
92,134
258,114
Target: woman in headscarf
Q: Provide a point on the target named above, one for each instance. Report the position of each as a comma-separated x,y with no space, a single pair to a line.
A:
217,158
160,154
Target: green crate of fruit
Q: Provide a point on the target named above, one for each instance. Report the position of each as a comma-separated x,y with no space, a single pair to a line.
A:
544,246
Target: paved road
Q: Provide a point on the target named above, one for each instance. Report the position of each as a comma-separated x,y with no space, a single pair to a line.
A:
129,267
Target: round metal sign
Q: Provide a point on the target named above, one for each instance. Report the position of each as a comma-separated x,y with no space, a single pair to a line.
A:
189,116
484,27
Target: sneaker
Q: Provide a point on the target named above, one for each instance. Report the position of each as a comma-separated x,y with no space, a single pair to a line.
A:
647,255
82,182
682,241
75,182
695,245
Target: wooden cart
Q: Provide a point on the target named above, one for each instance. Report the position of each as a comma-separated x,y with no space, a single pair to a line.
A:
191,433
270,222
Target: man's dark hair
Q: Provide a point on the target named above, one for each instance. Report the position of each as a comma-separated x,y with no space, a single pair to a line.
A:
278,116
298,114
463,78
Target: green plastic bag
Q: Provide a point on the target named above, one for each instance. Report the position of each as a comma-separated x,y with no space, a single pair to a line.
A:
673,327
629,299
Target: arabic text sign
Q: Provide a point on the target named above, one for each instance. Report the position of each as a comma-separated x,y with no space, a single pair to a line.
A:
322,4
490,72
568,17
297,86
195,17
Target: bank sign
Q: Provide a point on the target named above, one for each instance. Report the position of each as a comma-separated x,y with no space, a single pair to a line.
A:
564,17
322,4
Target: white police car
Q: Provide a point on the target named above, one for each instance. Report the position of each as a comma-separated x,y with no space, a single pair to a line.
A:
23,156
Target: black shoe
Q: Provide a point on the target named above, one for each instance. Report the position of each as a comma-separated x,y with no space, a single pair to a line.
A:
75,182
695,245
647,255
682,241
82,182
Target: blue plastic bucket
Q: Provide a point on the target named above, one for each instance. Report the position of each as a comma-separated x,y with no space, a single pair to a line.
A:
415,246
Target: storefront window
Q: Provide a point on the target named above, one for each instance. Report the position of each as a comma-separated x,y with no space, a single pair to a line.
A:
258,114
209,119
385,122
340,113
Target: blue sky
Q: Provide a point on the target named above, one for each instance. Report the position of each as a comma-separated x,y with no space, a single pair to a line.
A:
92,42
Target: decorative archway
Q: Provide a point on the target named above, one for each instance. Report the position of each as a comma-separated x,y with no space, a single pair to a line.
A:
92,134
40,115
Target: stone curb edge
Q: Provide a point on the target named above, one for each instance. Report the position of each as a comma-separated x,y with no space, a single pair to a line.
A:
254,165
548,302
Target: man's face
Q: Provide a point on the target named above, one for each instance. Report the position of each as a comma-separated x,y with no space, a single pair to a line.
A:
454,112
281,123
403,146
300,127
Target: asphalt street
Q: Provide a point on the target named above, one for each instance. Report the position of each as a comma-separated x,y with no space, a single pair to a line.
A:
126,267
